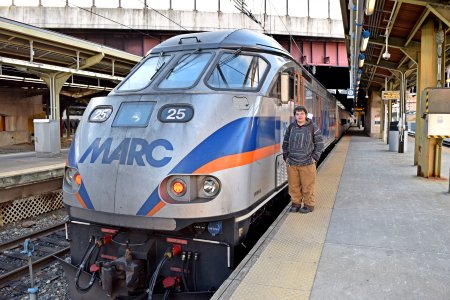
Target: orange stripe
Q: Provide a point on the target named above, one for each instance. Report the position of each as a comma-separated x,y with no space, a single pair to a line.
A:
80,200
227,162
237,160
156,208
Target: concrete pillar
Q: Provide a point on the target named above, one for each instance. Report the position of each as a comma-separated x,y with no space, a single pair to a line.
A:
389,118
382,118
416,139
427,155
373,115
55,82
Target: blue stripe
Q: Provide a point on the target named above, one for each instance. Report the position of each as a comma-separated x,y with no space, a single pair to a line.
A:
84,195
72,161
239,136
82,191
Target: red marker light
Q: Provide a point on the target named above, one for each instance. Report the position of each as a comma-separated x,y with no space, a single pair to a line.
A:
77,179
178,187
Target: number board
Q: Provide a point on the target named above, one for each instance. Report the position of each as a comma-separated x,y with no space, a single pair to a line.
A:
176,113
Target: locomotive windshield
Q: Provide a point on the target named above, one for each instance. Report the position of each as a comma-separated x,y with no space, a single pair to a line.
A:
145,73
242,72
187,71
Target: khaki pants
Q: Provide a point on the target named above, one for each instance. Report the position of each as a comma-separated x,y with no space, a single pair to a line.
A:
301,181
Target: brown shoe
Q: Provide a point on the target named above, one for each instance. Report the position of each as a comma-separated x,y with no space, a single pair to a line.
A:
306,209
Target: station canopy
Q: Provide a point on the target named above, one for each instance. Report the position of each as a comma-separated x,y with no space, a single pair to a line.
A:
29,54
400,22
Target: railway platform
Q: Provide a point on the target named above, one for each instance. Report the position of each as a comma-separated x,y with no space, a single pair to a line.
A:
378,232
24,167
29,186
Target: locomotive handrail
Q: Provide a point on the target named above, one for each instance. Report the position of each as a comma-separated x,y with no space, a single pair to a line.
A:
190,37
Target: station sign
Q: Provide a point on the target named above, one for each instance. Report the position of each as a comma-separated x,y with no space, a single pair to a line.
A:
390,95
350,93
332,91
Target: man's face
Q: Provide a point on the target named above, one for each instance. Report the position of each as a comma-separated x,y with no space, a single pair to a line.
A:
300,116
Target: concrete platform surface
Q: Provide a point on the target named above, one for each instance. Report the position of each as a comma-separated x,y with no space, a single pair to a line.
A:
17,162
384,235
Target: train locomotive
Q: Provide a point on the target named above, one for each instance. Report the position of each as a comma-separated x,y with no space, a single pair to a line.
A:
167,173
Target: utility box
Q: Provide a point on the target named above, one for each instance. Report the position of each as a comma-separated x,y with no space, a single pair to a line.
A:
436,111
46,138
435,101
439,124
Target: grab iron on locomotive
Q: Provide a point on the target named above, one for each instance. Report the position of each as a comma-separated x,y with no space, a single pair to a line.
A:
167,173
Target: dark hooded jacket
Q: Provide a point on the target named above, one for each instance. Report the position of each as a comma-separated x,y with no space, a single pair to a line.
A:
302,144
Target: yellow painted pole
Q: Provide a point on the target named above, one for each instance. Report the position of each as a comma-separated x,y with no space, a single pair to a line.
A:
427,78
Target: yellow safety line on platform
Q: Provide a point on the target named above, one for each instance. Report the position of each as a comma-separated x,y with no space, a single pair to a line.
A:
287,266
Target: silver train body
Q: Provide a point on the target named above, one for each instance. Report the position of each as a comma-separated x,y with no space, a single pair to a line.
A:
180,158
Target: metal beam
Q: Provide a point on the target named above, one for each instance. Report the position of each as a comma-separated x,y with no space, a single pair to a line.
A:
421,2
417,26
398,43
442,13
387,65
51,68
412,54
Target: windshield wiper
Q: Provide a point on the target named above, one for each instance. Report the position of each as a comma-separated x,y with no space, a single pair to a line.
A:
159,65
178,66
230,58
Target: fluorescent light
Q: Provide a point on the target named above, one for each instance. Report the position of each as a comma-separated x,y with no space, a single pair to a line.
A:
364,40
370,7
362,57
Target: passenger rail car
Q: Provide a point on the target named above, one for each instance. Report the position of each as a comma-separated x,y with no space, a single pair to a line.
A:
166,174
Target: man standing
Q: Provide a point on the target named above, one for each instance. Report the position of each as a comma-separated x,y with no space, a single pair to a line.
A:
302,147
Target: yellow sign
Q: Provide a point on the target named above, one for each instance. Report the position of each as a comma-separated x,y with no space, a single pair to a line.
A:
390,95
359,108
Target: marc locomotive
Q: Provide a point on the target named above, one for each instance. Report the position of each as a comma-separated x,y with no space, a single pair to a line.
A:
167,173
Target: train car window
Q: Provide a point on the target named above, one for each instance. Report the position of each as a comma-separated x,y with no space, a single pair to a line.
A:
186,72
309,100
145,73
275,91
238,72
134,114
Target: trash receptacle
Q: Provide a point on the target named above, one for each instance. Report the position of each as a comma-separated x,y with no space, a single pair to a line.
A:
46,138
393,136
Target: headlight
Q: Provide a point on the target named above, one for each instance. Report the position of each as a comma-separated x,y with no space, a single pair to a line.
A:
72,178
100,114
70,174
210,186
187,188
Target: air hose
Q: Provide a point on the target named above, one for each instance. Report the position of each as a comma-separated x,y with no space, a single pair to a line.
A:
152,283
175,251
87,257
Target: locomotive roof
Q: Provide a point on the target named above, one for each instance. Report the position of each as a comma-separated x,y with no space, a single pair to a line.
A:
231,39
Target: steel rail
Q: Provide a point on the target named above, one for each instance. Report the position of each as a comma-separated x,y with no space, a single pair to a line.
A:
44,232
24,270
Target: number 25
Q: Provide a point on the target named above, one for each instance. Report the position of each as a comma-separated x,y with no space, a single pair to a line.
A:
178,114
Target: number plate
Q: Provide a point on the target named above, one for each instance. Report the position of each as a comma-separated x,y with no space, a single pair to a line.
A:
176,113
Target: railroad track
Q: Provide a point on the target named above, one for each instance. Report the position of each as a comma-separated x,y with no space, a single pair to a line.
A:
48,244
446,142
